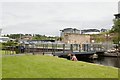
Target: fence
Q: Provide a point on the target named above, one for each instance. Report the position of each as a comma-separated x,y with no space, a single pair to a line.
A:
43,48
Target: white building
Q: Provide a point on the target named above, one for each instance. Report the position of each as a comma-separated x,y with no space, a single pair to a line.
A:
4,39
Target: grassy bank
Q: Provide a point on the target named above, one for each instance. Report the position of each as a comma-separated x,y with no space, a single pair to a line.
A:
0,61
0,67
39,66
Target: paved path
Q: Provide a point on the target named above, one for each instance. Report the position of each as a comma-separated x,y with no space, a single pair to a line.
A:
5,55
12,55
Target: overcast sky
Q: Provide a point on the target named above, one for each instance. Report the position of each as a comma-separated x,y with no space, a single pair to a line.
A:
47,18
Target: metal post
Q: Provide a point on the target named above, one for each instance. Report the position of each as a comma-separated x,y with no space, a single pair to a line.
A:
63,48
33,49
52,48
84,47
87,47
76,46
43,48
55,49
79,48
71,47
47,47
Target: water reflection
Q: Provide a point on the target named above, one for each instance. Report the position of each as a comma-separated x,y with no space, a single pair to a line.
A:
107,61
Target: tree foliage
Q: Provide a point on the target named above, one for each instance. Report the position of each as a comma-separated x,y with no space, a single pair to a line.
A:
34,37
43,37
116,29
13,36
9,43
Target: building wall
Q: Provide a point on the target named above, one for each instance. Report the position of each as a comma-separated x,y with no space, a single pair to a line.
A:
72,38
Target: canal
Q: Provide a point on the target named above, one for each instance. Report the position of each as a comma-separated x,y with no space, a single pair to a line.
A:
107,61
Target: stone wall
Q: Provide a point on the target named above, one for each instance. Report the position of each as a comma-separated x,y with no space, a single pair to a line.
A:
72,38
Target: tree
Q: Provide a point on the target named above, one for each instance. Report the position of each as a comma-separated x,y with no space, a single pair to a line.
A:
59,38
116,29
9,43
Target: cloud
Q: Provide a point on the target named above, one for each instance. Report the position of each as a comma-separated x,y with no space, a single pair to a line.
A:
59,1
50,17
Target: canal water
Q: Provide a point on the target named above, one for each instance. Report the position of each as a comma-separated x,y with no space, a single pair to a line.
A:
107,61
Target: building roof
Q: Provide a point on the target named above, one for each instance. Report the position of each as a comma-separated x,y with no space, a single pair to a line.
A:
69,29
90,30
117,15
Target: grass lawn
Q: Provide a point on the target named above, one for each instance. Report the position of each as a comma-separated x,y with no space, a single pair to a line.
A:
0,61
0,65
39,66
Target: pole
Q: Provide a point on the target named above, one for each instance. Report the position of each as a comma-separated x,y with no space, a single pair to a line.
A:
79,48
52,49
43,48
71,47
63,48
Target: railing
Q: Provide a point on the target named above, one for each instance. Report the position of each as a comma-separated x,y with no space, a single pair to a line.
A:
43,48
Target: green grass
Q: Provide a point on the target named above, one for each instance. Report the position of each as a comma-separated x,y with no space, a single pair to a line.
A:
38,66
0,66
0,61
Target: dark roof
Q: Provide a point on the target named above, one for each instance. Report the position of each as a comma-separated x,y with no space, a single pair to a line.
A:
117,15
69,29
90,30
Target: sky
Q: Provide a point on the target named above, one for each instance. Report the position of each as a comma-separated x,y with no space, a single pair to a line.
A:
49,17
